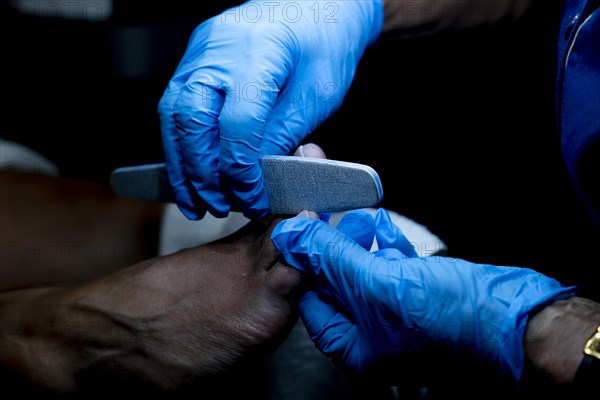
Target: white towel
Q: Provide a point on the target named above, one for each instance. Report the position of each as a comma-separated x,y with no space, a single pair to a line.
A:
178,233
15,156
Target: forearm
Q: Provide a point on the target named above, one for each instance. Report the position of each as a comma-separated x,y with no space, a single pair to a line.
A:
556,335
416,17
167,322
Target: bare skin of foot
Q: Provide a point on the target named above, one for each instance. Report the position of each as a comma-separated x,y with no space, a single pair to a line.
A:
160,324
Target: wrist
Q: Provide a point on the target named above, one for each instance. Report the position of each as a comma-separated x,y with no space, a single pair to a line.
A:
414,18
556,336
360,16
589,369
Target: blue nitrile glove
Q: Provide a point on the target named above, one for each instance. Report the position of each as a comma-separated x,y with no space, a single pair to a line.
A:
255,81
369,306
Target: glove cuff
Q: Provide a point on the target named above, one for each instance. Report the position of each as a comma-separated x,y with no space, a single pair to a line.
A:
512,350
377,20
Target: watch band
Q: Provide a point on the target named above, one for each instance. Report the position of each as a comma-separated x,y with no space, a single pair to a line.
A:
589,369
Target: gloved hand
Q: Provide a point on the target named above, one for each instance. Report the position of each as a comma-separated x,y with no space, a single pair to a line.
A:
255,81
369,306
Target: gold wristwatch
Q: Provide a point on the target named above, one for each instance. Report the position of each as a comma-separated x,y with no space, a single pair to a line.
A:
592,347
589,369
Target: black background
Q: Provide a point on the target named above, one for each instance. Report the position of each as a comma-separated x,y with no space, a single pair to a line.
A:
459,126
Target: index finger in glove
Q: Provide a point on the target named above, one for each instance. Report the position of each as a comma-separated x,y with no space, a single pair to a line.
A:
389,236
336,261
197,112
360,226
185,197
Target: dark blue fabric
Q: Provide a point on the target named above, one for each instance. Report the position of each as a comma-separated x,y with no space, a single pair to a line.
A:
578,92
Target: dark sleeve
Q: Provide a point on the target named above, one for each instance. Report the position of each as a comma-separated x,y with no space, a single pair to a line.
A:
578,99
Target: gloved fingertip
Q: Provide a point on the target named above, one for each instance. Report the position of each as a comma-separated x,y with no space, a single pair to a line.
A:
289,238
190,214
325,217
388,235
213,200
360,226
311,245
219,215
253,204
185,203
255,214
384,225
383,219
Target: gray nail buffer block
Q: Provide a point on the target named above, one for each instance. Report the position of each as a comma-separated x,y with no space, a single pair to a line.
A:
293,184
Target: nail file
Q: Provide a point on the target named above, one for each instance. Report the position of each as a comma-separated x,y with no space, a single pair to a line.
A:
293,184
